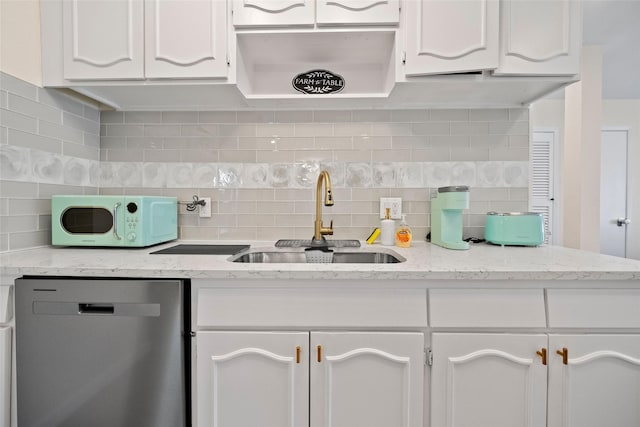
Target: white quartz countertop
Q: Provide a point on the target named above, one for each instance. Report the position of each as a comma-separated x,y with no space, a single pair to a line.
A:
424,261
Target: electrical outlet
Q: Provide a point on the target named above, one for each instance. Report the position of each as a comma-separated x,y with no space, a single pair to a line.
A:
394,204
205,211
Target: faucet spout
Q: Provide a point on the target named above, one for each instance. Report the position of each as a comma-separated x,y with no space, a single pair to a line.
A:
319,230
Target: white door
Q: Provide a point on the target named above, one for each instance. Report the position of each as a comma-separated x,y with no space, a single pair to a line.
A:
444,36
613,192
540,37
356,12
488,380
600,383
252,379
5,376
185,38
542,183
103,39
367,379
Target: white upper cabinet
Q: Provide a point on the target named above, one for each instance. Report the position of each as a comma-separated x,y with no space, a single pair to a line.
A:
510,37
137,39
103,39
358,12
450,36
540,37
301,13
185,39
266,13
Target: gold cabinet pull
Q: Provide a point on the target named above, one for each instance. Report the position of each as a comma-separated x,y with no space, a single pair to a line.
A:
565,355
319,353
298,350
543,354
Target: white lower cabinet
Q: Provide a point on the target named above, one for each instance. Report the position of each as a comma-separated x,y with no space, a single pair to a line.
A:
488,380
531,380
5,376
595,382
296,379
252,379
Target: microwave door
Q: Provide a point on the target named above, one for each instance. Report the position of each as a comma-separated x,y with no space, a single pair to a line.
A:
94,225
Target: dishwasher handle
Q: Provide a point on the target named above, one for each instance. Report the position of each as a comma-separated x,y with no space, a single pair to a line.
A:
95,308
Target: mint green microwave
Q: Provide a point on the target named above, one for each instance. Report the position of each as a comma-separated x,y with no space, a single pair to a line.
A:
119,221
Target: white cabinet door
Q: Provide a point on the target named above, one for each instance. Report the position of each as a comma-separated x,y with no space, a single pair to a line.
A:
5,376
599,385
103,39
357,12
444,36
266,13
540,37
488,380
185,39
367,379
252,379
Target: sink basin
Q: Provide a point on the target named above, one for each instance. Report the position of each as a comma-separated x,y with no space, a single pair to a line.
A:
294,257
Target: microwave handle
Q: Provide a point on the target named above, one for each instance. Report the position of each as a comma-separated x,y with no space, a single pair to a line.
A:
115,221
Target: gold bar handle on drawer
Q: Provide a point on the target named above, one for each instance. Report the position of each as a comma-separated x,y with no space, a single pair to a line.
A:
298,349
565,355
543,354
319,353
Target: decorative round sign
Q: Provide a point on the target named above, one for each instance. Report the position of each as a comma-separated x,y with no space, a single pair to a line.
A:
318,82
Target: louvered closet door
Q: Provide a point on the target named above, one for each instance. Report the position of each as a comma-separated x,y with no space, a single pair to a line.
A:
541,186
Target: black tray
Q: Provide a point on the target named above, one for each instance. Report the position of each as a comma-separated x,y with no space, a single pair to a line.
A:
202,250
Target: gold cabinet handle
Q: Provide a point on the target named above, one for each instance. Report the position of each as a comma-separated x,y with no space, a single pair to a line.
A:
543,354
565,355
319,353
298,350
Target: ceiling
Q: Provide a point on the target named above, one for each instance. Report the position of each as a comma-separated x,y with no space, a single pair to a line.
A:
615,25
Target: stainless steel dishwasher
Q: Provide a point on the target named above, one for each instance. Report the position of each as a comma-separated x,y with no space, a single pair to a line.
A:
101,352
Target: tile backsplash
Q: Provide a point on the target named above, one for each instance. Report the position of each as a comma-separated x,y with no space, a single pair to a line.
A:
49,144
259,167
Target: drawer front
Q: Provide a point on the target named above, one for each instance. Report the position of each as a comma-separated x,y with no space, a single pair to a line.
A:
310,308
487,308
594,308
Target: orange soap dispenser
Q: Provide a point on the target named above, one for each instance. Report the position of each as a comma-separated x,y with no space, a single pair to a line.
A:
403,234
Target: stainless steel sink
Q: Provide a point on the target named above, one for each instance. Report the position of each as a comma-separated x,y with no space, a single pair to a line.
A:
301,257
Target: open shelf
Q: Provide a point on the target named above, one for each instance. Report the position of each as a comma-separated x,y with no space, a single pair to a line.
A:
267,62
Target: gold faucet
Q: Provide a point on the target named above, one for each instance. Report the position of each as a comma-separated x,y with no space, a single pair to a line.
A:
319,230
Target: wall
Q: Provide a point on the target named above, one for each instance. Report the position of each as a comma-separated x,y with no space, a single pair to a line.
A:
20,23
260,167
549,113
581,154
49,144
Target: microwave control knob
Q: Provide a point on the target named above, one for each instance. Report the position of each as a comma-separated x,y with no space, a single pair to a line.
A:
131,236
132,207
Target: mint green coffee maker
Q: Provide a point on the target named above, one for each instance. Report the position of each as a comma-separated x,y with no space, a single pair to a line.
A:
446,216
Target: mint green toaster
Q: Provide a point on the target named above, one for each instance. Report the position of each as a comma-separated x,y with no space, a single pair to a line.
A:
514,228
